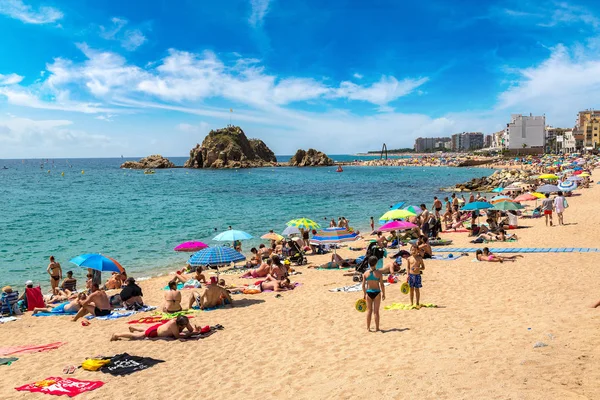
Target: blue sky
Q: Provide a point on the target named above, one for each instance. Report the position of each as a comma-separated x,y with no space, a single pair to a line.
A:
105,78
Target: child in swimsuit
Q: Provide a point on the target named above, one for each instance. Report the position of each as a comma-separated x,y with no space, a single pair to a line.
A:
373,291
414,268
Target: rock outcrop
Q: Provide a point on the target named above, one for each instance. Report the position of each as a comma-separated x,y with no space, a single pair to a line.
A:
155,161
310,158
500,178
229,148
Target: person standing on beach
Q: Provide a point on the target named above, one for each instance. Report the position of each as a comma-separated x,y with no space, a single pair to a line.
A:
454,200
547,206
373,291
372,224
437,206
560,203
414,268
55,272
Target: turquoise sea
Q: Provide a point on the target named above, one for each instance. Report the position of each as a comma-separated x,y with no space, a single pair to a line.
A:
138,219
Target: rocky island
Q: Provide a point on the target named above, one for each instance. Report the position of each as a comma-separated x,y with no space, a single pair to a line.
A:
500,178
155,161
229,148
310,158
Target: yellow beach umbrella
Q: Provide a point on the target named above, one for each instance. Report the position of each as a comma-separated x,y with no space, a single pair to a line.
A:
538,195
584,174
304,223
548,176
397,214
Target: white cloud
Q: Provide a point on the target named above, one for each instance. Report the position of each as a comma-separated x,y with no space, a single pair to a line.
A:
130,39
552,14
10,79
18,10
259,11
380,93
202,127
105,117
358,76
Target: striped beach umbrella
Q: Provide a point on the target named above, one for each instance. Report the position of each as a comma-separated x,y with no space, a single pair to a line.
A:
567,186
304,223
414,209
334,235
215,256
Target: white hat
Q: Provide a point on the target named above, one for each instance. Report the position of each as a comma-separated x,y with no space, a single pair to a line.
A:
28,283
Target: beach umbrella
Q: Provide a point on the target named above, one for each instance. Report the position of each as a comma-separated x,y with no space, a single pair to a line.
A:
584,174
548,176
397,226
290,230
272,236
499,198
215,256
526,197
398,205
497,190
304,223
334,235
191,246
548,189
477,205
507,205
512,187
414,209
231,235
98,262
397,214
538,195
575,178
567,186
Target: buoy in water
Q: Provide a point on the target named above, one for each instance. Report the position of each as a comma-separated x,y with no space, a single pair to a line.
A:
62,174
82,172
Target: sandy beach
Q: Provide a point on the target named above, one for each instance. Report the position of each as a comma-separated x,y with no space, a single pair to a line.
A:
312,344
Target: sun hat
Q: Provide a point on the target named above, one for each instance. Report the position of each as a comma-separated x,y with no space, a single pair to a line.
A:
7,289
28,283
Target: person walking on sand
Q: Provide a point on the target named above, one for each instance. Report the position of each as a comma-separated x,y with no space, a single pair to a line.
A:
55,272
373,291
547,206
414,268
560,203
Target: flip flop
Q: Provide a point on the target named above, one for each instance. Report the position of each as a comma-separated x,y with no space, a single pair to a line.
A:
85,322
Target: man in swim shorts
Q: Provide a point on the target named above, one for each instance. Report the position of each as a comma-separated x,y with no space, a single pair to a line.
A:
62,308
548,206
96,304
437,206
414,268
168,329
212,296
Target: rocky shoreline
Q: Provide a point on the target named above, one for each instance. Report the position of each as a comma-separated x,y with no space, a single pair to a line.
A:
500,178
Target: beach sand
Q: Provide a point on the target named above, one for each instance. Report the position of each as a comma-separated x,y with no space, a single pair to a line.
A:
312,344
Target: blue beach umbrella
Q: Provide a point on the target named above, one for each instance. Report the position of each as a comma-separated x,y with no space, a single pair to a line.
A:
497,190
98,262
398,206
477,205
215,256
232,235
567,186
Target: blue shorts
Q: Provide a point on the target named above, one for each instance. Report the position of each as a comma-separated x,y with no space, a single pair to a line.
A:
414,281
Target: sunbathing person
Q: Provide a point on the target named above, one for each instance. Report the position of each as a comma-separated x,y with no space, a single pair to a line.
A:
131,294
189,279
396,266
65,307
212,296
490,257
487,253
261,271
171,329
172,299
275,285
96,303
336,262
501,236
256,259
424,247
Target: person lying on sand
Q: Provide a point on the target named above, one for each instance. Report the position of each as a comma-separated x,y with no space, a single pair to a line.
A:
65,307
171,329
490,257
336,262
212,296
262,271
172,299
198,276
96,304
501,236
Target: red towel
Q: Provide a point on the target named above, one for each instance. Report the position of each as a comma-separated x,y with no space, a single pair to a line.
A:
61,386
35,298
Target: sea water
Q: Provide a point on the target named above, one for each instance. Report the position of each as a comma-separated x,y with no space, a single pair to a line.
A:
70,207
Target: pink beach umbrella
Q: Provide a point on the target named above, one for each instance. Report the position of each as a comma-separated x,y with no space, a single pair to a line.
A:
397,226
191,246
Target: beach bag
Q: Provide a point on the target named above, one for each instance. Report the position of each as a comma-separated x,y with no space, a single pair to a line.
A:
565,204
94,364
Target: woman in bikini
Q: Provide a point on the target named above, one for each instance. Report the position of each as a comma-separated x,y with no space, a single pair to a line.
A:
55,272
261,271
373,292
172,299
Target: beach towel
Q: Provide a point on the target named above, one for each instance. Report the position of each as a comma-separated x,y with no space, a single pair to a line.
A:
9,351
402,306
8,361
125,364
58,310
445,258
7,319
352,288
164,315
113,315
35,298
61,386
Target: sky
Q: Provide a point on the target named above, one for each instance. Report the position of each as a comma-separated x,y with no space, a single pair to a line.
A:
104,78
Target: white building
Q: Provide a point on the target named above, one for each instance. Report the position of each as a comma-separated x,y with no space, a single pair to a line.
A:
566,142
525,132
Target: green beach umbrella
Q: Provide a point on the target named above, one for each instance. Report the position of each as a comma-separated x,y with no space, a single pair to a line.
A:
397,214
304,223
507,205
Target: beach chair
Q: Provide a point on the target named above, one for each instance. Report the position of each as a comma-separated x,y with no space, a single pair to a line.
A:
35,298
8,303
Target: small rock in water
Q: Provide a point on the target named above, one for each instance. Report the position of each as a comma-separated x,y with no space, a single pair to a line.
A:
539,344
